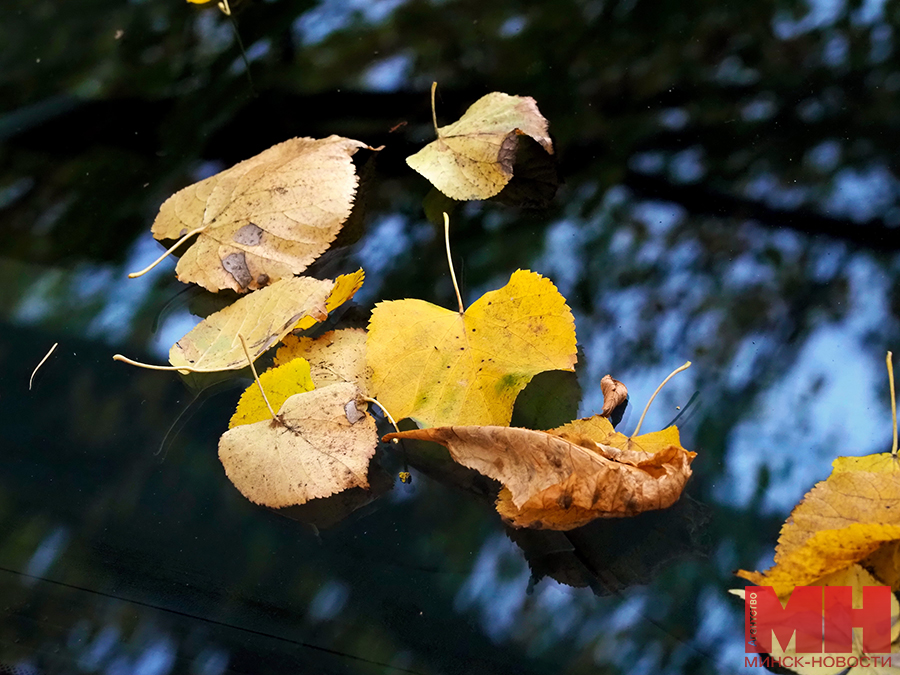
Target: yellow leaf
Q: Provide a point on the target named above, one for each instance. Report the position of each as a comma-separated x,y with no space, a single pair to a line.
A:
841,521
265,218
443,368
336,356
263,318
345,287
313,450
473,157
553,483
599,430
279,384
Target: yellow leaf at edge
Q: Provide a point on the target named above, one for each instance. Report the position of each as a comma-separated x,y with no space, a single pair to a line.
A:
345,287
279,384
826,552
263,318
473,157
336,356
883,462
443,368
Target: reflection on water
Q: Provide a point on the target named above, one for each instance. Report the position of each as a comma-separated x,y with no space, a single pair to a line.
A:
729,195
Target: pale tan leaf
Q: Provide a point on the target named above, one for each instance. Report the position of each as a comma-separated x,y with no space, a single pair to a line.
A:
265,218
263,318
312,450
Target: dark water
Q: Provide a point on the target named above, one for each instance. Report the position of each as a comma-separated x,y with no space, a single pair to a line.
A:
729,195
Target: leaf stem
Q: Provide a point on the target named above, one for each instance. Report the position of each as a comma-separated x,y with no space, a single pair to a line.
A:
433,111
384,410
255,376
647,407
150,366
135,275
462,309
47,356
890,367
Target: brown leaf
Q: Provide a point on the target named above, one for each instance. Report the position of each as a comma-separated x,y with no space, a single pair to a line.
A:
265,218
554,483
614,394
311,451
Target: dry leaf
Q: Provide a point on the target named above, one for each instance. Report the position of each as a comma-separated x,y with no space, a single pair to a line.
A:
311,451
345,287
336,356
614,394
444,368
842,520
263,318
279,384
265,218
473,157
552,483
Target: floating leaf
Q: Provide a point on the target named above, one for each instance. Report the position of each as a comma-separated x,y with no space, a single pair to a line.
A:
263,317
265,218
279,384
345,287
336,356
442,367
553,483
841,521
473,157
312,449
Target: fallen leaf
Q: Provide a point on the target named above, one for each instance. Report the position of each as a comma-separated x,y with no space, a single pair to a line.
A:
263,317
345,287
473,157
842,520
279,384
552,483
311,451
614,394
443,368
335,356
265,218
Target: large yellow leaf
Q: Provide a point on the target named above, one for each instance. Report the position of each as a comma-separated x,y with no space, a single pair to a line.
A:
336,356
263,318
265,218
842,520
444,368
553,483
312,449
473,157
279,384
